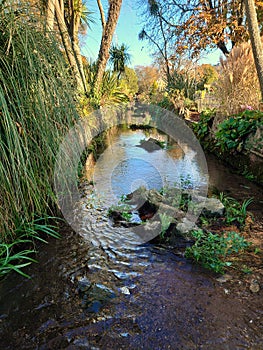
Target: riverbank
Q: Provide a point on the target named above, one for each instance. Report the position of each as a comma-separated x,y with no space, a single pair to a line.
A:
236,140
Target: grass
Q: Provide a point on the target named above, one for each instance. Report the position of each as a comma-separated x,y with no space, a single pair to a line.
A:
37,108
13,257
235,212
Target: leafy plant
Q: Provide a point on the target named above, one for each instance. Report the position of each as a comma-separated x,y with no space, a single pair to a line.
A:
203,127
232,132
235,212
12,257
110,92
212,250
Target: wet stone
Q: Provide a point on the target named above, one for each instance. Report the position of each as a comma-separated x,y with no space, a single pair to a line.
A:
96,297
83,285
185,226
151,145
210,207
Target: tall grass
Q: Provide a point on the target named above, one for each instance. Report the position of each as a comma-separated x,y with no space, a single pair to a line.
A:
237,84
37,107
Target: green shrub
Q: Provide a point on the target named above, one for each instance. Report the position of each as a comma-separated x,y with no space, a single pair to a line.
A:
234,211
212,250
232,132
203,127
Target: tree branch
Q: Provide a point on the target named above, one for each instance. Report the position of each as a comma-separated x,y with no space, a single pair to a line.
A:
102,15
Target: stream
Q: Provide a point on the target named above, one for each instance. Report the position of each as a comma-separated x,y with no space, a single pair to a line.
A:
105,288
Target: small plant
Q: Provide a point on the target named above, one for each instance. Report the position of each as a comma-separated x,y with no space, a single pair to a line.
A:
246,269
123,209
10,261
185,201
186,181
211,250
12,257
248,175
126,215
165,223
204,221
235,212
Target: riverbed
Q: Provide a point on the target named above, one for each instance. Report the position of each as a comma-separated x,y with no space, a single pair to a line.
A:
87,292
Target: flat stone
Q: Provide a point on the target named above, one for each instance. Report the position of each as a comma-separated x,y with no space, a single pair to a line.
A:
171,211
210,207
186,226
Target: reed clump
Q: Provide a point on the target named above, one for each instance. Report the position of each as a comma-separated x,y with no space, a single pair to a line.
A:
37,108
236,79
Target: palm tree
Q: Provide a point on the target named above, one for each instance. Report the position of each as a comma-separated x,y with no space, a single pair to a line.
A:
71,18
119,57
108,31
256,44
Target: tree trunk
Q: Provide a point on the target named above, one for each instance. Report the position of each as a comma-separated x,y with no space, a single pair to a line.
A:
255,40
222,46
107,35
50,15
76,14
59,10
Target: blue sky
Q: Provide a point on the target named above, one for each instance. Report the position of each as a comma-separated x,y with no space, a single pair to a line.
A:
126,32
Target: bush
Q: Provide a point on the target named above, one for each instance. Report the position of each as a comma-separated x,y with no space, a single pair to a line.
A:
232,132
203,127
212,250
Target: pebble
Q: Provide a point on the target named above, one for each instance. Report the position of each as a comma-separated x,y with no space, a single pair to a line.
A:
254,286
125,290
224,278
125,335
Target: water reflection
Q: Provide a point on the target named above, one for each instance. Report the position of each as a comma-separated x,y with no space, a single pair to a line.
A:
124,166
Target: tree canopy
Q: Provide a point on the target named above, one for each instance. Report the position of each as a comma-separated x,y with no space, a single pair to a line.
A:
119,58
195,25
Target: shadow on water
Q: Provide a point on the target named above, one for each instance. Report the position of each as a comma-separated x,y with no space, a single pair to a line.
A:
87,292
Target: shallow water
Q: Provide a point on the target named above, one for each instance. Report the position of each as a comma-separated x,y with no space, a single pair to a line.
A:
102,290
